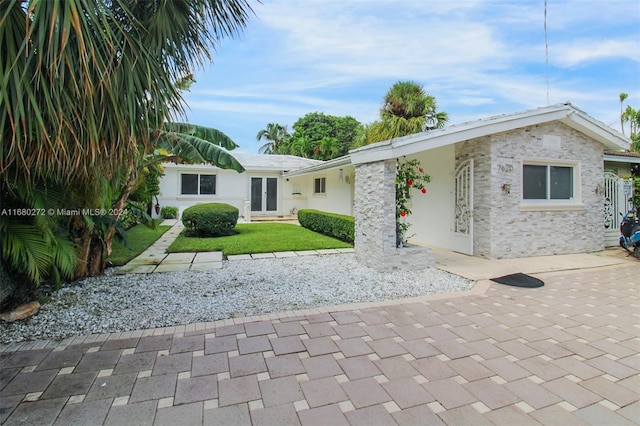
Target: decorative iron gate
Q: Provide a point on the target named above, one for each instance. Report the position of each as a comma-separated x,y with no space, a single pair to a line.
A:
462,240
617,201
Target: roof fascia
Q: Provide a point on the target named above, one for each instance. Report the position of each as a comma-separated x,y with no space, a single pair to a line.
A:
596,130
451,135
203,166
328,165
621,159
437,138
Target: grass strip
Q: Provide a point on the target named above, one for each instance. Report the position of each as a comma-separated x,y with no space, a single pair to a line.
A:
139,237
259,238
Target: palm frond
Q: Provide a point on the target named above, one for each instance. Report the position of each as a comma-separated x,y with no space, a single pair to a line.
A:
196,150
209,134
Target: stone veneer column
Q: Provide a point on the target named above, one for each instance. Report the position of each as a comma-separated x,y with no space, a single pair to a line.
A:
375,213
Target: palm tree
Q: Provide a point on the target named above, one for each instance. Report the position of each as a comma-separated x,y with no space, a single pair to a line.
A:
83,82
327,148
302,147
623,97
276,135
405,111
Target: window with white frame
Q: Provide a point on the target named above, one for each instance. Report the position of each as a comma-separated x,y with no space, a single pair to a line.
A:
319,185
197,184
550,182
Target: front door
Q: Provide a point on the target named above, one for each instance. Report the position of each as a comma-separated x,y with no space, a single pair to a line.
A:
462,240
264,194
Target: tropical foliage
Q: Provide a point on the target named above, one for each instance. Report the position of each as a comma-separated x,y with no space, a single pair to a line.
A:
324,137
34,243
631,117
316,135
277,137
179,142
86,95
407,109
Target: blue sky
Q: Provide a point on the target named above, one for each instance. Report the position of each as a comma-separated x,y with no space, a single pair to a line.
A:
478,58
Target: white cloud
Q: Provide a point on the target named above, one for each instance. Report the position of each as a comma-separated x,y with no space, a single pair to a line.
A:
577,52
477,57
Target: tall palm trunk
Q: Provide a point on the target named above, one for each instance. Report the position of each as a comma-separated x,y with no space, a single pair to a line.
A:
84,242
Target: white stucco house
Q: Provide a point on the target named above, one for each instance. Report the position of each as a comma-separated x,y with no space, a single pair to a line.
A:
259,191
516,185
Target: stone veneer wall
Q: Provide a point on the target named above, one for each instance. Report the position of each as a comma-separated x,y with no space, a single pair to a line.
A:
375,212
375,217
501,229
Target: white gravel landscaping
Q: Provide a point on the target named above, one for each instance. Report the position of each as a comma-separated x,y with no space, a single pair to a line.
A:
117,303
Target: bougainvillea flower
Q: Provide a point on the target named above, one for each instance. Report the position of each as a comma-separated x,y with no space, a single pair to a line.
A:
403,214
420,169
424,190
409,182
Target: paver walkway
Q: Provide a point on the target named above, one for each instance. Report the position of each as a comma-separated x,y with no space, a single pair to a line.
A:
566,353
155,259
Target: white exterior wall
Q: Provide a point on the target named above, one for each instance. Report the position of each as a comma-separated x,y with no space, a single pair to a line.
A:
339,192
231,187
432,218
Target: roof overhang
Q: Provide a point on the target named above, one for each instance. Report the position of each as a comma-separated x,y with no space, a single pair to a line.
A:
622,158
432,139
336,163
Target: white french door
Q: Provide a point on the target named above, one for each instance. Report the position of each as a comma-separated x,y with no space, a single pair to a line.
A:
264,194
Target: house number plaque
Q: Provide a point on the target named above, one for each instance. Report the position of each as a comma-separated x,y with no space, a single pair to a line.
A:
505,168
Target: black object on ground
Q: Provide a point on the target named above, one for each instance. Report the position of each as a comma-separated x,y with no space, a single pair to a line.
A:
519,280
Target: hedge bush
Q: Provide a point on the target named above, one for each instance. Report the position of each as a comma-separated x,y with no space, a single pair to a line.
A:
334,225
169,212
210,219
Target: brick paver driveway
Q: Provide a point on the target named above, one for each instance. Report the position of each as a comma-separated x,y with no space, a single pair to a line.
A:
566,353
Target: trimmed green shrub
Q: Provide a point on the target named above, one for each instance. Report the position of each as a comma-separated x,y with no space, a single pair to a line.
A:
169,212
334,225
210,219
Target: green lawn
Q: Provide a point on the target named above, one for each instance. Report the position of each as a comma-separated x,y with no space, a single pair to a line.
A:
260,238
139,238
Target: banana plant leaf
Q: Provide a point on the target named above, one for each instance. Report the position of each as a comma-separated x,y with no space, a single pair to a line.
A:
197,144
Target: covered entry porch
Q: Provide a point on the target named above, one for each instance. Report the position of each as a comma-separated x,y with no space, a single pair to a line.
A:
503,187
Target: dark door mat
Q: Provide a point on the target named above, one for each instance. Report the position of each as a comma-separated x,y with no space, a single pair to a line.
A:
519,280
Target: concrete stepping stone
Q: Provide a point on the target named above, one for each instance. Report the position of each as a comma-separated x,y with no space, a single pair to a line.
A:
178,258
212,256
172,267
206,266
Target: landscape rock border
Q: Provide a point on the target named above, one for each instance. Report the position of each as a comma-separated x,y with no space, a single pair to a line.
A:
118,303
